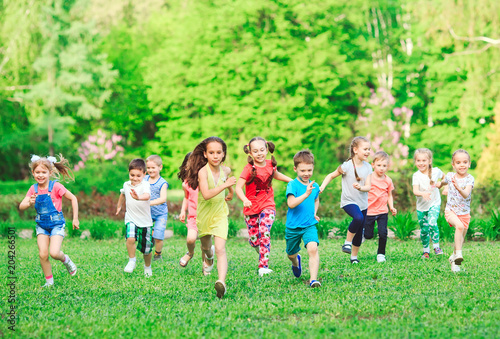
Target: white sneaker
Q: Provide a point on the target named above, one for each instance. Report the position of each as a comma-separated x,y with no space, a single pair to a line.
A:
452,258
380,257
70,266
455,268
47,285
148,272
264,271
130,267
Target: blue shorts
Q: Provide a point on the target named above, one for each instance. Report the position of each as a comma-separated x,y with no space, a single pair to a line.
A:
293,236
57,230
160,224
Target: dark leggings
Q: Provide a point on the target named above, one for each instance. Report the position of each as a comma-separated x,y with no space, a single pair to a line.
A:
357,223
381,220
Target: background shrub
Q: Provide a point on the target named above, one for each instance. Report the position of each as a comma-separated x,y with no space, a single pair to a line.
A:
403,225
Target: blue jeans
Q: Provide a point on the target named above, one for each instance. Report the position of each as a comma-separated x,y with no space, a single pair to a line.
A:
358,222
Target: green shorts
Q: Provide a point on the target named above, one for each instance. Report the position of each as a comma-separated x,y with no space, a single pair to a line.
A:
293,236
143,235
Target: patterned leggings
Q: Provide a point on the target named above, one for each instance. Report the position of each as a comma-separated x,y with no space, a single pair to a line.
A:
428,225
259,231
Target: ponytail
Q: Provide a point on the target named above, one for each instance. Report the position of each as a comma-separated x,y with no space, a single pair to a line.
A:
56,168
355,143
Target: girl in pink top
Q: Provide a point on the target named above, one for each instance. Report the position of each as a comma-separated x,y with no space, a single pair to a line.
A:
46,196
258,200
379,196
190,202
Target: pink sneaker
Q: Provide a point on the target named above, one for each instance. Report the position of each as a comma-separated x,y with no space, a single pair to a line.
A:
425,255
438,251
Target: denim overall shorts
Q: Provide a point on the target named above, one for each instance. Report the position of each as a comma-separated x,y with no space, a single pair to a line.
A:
47,217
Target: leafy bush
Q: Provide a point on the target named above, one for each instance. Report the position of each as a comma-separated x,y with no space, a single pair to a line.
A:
341,227
102,228
403,225
278,229
491,228
178,227
234,226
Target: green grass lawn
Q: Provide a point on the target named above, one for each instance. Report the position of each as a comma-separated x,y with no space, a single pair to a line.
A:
404,297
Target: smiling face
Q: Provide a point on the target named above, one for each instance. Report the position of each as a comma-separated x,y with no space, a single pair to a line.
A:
258,151
461,163
304,172
214,153
422,162
42,175
153,169
380,166
362,151
136,176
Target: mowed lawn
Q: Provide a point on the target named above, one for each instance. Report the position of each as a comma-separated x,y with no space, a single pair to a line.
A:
404,297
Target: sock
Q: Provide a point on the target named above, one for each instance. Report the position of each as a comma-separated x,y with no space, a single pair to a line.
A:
458,253
132,259
435,245
66,259
157,253
50,279
354,257
427,249
347,242
147,266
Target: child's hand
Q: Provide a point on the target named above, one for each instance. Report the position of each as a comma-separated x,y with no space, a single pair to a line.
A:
356,185
321,189
32,199
134,194
182,217
247,203
317,218
426,196
309,188
76,224
230,182
118,210
394,211
229,196
454,181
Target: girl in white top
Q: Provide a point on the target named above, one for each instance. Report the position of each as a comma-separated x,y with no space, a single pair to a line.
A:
425,187
457,211
356,183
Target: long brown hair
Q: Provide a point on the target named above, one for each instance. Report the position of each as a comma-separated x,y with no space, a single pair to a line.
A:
270,147
56,168
354,143
427,152
183,168
197,160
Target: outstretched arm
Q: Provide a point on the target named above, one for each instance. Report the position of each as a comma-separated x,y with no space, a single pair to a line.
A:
163,197
390,202
239,192
281,177
74,203
294,201
329,178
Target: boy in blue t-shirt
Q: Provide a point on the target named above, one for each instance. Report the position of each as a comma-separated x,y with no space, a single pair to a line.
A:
301,219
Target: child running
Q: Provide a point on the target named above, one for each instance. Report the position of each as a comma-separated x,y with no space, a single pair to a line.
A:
425,187
158,203
302,196
356,183
190,202
379,196
46,196
205,171
457,211
138,221
258,200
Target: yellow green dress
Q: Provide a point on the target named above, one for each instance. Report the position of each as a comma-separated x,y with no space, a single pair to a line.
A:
211,217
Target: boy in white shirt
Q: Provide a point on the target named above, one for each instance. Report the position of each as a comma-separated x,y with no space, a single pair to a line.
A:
138,221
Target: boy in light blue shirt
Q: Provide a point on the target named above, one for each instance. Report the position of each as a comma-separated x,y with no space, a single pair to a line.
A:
301,219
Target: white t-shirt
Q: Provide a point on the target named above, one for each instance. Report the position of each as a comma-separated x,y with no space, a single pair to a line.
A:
350,195
138,211
424,185
456,201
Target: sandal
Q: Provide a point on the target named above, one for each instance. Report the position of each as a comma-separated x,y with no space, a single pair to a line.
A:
206,267
183,262
220,287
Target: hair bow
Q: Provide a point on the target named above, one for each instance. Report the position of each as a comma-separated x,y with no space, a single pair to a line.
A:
52,159
34,158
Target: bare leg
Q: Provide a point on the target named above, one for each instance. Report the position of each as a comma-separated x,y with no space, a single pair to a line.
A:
147,259
158,245
190,243
294,260
43,252
312,249
55,247
131,247
206,247
350,236
220,251
354,251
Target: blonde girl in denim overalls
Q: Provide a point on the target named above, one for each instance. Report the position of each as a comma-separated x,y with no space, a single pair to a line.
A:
46,196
